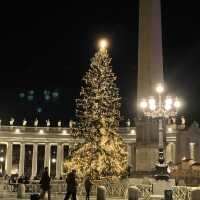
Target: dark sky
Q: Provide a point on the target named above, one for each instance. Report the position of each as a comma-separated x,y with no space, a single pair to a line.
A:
49,46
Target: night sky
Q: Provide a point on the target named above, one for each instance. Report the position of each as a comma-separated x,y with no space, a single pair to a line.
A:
46,48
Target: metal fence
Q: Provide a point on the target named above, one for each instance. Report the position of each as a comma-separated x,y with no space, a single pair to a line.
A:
113,189
117,189
183,192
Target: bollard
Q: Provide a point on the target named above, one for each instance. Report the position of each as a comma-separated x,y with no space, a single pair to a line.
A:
101,193
35,196
21,191
195,195
168,194
44,196
133,193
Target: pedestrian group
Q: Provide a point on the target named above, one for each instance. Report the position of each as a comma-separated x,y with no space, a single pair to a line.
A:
71,190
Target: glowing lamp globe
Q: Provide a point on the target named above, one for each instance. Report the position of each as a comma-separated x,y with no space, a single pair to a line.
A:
169,129
177,103
17,131
143,104
152,107
132,131
103,44
159,88
64,132
168,101
41,131
168,107
152,101
1,159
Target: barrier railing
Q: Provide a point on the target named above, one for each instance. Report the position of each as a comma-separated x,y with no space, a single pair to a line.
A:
119,189
145,190
183,192
113,189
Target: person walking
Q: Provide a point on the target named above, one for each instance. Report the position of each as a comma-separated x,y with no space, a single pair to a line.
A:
88,187
45,184
71,185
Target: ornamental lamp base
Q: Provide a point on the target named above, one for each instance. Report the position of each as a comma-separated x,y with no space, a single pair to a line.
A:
161,172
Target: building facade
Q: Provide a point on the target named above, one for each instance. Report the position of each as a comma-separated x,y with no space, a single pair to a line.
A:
27,150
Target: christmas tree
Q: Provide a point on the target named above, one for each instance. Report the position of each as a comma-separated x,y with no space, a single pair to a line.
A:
102,152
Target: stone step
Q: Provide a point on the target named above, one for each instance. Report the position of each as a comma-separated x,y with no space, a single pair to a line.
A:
157,197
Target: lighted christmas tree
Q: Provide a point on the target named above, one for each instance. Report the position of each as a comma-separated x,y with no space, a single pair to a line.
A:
102,152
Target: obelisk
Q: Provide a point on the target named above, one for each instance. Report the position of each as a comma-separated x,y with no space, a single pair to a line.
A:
150,73
150,58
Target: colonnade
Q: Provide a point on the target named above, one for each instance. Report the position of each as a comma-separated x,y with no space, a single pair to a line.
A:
47,158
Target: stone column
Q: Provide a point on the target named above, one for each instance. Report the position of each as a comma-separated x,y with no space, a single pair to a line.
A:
8,166
129,150
61,159
47,161
58,161
174,153
131,157
192,150
169,153
21,159
34,161
160,131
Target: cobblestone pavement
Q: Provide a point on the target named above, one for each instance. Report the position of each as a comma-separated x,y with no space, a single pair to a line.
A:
12,196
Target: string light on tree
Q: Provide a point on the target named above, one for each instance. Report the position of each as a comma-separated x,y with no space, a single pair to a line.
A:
102,152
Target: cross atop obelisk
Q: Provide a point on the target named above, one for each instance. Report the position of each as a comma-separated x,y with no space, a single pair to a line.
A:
150,59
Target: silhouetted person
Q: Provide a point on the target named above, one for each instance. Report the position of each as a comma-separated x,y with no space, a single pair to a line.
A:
26,180
45,183
71,185
88,187
20,180
12,182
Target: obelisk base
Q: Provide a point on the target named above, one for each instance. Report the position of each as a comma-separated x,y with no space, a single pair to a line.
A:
146,157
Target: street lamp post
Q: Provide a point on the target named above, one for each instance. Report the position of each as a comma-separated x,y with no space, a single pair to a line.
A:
160,108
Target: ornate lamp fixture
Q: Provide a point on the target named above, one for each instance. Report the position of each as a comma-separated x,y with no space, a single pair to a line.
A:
160,108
